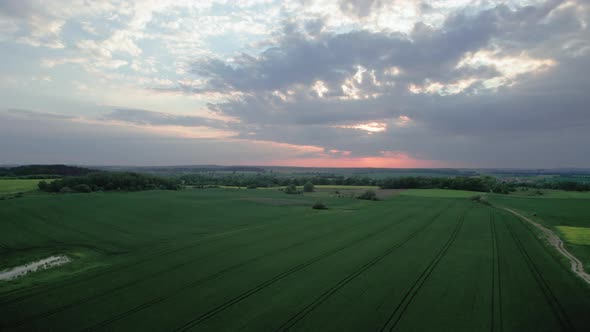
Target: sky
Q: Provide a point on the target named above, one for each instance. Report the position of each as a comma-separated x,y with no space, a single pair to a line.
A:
327,83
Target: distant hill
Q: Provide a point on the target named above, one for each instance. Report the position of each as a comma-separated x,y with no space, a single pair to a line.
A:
45,170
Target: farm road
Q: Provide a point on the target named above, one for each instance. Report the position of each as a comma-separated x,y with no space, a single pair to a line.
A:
555,241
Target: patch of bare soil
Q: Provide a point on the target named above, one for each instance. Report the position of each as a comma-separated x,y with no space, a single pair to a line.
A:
42,264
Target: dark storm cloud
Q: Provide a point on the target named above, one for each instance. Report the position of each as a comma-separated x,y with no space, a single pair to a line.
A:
143,117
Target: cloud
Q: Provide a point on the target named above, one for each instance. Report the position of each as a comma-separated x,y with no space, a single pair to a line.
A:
360,7
468,82
460,86
335,57
50,139
143,117
23,113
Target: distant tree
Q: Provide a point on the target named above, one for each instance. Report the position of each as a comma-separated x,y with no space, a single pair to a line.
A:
308,187
368,195
291,189
82,188
65,190
43,185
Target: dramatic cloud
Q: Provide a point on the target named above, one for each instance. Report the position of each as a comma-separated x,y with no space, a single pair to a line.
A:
399,83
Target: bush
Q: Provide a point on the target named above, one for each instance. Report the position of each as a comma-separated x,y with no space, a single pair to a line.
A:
65,190
43,186
318,205
476,197
291,189
308,187
82,188
480,199
369,195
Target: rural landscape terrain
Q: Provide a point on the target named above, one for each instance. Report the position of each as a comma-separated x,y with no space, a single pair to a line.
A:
295,165
227,258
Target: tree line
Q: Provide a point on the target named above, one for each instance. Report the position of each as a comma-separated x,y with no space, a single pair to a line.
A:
109,181
43,171
471,183
264,180
129,181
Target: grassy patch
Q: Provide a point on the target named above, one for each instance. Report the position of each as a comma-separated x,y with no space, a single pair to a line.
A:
11,186
575,235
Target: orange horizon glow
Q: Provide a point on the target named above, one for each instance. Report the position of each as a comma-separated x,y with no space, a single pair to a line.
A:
386,161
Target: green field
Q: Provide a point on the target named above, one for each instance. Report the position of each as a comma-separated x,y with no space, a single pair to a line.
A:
549,193
11,186
261,260
555,212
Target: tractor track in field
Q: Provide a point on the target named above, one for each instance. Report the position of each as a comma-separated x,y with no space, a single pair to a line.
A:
496,275
174,267
332,290
30,230
205,316
155,274
44,289
550,297
211,277
57,223
403,305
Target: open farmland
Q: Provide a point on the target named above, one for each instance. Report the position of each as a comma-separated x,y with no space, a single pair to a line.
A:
11,186
567,216
261,260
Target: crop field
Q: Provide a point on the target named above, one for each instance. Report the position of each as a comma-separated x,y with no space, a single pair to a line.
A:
10,186
549,193
262,260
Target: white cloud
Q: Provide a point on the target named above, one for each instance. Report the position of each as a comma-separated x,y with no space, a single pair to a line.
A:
44,32
443,89
369,127
52,62
42,78
320,88
510,67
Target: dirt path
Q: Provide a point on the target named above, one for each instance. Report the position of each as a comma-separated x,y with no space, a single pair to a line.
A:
557,243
